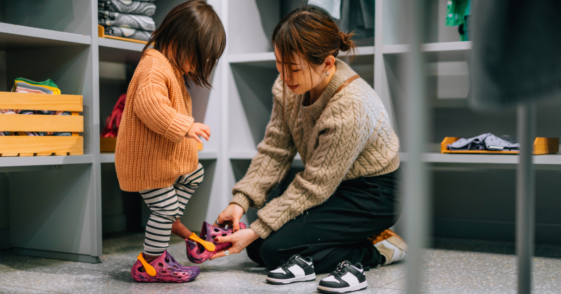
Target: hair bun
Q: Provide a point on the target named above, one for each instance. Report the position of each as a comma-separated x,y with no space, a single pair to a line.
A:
345,42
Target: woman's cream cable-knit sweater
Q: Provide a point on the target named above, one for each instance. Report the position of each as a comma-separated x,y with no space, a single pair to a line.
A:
340,137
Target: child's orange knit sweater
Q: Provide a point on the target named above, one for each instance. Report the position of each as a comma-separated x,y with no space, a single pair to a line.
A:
152,151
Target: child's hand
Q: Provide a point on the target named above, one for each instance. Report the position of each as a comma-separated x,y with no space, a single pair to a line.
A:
197,130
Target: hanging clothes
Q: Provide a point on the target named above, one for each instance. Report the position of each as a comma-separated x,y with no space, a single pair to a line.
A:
350,15
515,52
457,13
333,7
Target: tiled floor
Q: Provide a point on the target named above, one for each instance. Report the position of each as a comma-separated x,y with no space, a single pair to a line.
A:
454,267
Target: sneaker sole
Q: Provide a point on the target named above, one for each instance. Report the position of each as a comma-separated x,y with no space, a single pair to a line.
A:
358,287
307,278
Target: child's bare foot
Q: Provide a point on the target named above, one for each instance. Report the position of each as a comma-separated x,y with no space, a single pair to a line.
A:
180,230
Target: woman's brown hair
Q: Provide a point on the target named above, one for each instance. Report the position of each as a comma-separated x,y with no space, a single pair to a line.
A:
191,33
310,32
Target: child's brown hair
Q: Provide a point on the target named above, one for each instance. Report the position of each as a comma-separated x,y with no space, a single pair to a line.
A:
193,34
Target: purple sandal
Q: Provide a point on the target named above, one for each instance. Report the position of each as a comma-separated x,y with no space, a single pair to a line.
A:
197,253
164,269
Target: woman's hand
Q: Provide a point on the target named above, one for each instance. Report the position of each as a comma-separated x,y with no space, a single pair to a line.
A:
231,216
198,129
240,240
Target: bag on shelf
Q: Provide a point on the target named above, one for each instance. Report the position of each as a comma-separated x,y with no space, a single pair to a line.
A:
128,7
113,122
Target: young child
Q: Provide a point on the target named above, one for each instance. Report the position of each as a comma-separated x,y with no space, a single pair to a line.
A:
156,151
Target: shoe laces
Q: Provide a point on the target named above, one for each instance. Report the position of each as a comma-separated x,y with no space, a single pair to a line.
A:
340,270
291,261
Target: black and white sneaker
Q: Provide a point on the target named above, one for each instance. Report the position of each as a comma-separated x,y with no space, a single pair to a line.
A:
345,278
296,269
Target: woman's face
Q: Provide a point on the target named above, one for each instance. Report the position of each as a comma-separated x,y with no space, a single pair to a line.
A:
300,77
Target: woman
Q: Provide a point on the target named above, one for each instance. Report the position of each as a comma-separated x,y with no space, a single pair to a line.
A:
334,119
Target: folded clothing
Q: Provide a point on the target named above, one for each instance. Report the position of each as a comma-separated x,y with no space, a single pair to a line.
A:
116,19
22,85
128,6
128,33
486,141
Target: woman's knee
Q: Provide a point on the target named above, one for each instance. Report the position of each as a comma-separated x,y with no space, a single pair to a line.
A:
269,253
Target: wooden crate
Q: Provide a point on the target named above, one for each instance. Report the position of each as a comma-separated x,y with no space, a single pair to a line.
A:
41,146
101,34
542,146
109,145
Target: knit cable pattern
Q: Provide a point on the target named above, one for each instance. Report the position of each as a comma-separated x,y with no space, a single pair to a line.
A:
152,151
340,137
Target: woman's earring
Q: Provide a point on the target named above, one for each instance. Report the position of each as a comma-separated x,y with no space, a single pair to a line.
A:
326,73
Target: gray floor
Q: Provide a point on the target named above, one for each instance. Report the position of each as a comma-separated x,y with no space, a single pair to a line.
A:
455,267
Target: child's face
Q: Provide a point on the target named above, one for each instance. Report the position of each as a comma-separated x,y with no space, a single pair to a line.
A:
300,76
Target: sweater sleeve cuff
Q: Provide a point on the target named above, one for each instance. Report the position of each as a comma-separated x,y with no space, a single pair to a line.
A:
179,127
261,228
241,200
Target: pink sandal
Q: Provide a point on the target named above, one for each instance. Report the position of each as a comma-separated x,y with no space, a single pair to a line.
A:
164,269
199,252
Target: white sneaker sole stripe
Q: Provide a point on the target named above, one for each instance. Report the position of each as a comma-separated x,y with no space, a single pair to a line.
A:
311,277
360,286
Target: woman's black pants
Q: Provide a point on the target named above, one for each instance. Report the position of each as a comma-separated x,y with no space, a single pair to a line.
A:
336,230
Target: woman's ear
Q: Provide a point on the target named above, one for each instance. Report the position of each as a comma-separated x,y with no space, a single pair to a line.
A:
329,62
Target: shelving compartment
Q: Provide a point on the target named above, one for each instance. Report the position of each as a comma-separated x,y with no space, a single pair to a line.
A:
41,145
251,24
29,24
435,15
70,68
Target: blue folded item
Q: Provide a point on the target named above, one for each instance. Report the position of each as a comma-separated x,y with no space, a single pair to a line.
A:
486,142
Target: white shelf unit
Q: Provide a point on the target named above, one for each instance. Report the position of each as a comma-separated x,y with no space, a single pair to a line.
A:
473,195
47,43
43,40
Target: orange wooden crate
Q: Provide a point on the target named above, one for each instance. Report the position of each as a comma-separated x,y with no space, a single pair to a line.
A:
109,144
542,146
41,146
101,34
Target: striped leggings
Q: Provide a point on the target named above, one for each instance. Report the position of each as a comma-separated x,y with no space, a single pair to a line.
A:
166,205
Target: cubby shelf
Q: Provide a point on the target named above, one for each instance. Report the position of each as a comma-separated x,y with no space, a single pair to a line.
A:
119,51
44,160
203,155
270,56
487,160
121,45
435,52
23,37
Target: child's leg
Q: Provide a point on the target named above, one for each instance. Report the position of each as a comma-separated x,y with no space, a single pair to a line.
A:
164,207
185,187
